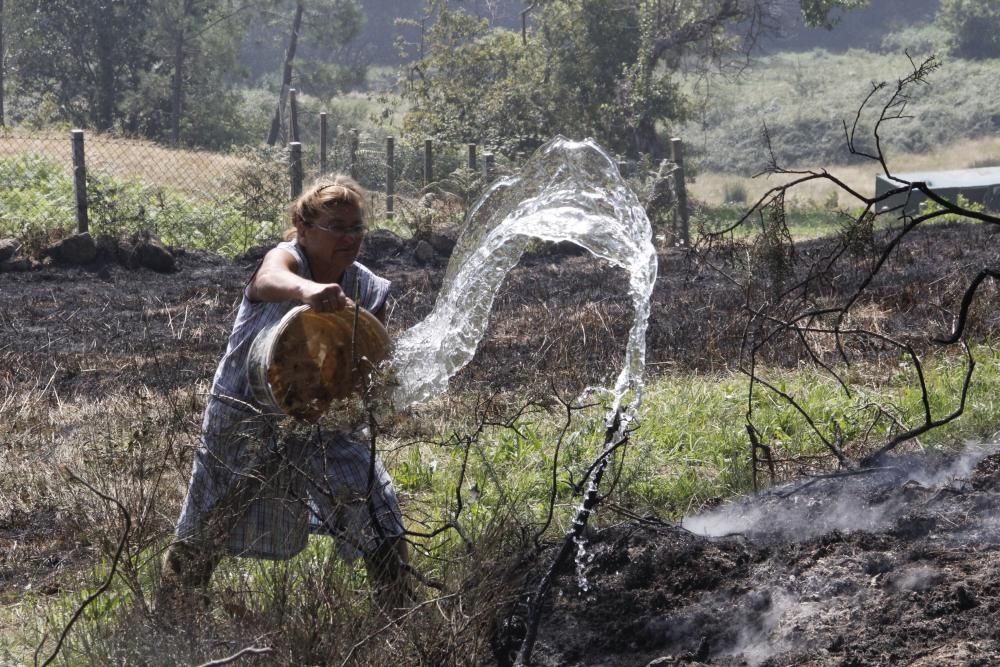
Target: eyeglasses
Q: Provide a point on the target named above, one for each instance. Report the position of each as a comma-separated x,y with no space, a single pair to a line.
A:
353,230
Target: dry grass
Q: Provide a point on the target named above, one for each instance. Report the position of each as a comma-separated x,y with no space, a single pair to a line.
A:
193,172
710,188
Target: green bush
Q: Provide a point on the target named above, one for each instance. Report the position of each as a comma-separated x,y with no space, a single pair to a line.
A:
734,192
37,196
917,39
37,203
973,27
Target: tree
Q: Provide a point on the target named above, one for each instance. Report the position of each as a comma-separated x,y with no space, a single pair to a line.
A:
325,21
207,33
974,26
157,69
3,58
820,12
84,54
587,67
477,84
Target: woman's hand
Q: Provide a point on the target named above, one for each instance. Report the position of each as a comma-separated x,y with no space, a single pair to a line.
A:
324,297
277,280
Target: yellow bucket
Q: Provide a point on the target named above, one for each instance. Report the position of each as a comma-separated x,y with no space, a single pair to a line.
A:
303,362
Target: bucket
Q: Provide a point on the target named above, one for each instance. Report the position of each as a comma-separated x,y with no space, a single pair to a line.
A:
303,362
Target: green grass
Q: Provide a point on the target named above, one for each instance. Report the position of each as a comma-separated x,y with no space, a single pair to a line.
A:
38,204
804,221
810,220
691,448
692,444
695,446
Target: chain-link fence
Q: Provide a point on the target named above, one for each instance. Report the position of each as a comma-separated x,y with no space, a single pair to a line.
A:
230,202
224,202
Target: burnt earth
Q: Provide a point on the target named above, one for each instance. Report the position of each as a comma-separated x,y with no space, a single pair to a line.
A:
915,584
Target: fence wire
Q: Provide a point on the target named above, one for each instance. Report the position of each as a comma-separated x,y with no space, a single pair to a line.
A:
225,202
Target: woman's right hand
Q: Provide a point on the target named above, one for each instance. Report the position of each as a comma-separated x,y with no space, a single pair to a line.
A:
325,298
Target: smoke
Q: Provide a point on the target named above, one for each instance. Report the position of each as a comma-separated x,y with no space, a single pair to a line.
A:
869,501
760,638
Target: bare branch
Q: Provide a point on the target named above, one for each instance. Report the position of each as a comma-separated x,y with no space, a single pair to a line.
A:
250,650
123,540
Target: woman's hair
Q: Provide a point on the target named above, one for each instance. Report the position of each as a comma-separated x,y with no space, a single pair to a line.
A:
320,197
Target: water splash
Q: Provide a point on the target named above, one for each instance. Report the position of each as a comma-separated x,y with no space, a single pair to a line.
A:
582,559
568,191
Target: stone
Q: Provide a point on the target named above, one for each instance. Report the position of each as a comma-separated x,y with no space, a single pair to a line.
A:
8,248
424,252
442,242
107,249
17,265
153,255
73,250
380,244
146,251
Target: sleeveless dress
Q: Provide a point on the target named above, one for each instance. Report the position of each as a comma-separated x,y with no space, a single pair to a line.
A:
258,491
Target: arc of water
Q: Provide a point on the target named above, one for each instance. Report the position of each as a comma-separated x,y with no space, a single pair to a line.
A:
568,191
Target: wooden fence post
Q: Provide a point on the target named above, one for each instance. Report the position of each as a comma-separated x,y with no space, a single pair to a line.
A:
80,181
295,167
390,177
354,153
322,142
677,156
293,115
488,166
428,161
472,157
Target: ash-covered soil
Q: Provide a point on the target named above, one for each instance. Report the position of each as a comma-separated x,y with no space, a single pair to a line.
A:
893,567
899,566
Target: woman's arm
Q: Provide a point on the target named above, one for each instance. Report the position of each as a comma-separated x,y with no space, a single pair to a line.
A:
277,280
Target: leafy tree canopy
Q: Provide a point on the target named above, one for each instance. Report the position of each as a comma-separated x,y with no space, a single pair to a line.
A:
602,68
973,26
167,70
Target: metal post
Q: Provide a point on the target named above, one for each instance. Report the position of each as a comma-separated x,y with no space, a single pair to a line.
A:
428,161
488,166
322,142
293,115
80,181
677,155
472,157
390,177
354,153
295,167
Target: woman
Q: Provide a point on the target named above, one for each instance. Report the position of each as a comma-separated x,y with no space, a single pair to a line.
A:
256,492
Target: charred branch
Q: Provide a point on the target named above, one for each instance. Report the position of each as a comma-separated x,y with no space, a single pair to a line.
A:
790,297
615,436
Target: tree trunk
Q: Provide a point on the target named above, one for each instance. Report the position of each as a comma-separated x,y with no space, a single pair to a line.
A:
286,76
177,93
105,67
1,64
646,141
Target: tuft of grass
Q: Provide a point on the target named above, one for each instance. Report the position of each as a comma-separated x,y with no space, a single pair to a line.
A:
694,445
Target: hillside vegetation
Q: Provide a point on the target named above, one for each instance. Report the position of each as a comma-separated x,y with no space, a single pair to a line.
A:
804,99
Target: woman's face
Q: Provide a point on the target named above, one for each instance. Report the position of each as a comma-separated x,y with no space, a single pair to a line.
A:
334,236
